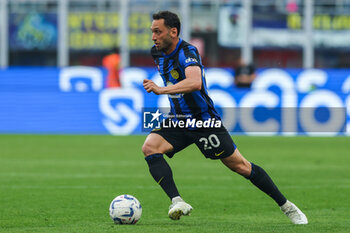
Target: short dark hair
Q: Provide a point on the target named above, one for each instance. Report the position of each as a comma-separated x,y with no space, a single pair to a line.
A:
171,19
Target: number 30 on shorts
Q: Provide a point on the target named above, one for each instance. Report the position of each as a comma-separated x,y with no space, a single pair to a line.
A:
210,142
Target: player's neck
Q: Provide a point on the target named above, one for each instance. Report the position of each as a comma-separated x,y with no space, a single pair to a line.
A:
173,46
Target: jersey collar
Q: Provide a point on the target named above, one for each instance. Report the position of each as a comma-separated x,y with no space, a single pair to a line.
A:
175,50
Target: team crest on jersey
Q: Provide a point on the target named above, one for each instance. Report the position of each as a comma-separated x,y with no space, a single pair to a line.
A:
174,74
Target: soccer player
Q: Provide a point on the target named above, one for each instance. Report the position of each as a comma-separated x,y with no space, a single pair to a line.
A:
181,69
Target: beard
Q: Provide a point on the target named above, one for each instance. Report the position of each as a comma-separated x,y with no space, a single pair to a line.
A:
167,42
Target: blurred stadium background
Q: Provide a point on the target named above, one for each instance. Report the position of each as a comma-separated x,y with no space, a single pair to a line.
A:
52,79
80,32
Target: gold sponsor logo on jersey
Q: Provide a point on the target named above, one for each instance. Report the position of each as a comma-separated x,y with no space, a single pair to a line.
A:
174,74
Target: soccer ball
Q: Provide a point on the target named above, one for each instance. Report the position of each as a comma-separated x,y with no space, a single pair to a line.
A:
125,209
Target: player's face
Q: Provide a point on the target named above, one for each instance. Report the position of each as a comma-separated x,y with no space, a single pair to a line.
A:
162,36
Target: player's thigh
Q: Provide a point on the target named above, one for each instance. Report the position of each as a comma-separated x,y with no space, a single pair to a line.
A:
177,138
155,143
215,143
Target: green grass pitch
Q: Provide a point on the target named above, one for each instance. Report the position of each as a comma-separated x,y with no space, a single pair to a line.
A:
65,184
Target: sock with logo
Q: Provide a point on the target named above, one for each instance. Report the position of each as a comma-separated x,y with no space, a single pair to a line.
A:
263,181
162,174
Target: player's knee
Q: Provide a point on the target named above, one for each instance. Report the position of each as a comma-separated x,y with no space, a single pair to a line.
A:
149,148
242,169
146,148
238,167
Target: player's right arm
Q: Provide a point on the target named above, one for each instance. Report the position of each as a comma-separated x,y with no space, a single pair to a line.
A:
192,82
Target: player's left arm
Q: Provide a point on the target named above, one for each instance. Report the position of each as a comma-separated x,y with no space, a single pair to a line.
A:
192,82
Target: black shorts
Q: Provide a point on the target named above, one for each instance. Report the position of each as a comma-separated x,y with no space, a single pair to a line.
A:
214,143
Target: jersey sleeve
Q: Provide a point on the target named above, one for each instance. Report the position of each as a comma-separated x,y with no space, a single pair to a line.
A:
189,57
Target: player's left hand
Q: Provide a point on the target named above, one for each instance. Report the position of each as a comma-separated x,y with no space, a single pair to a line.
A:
150,86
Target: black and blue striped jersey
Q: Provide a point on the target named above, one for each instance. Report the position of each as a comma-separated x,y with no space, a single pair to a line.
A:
172,67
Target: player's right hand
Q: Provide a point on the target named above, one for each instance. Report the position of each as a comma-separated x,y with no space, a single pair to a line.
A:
150,86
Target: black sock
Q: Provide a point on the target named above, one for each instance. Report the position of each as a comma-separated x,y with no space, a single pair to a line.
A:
263,181
162,174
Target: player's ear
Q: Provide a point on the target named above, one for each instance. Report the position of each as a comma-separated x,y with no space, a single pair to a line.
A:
173,32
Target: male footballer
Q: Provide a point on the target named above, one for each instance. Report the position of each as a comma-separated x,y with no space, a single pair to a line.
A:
181,69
